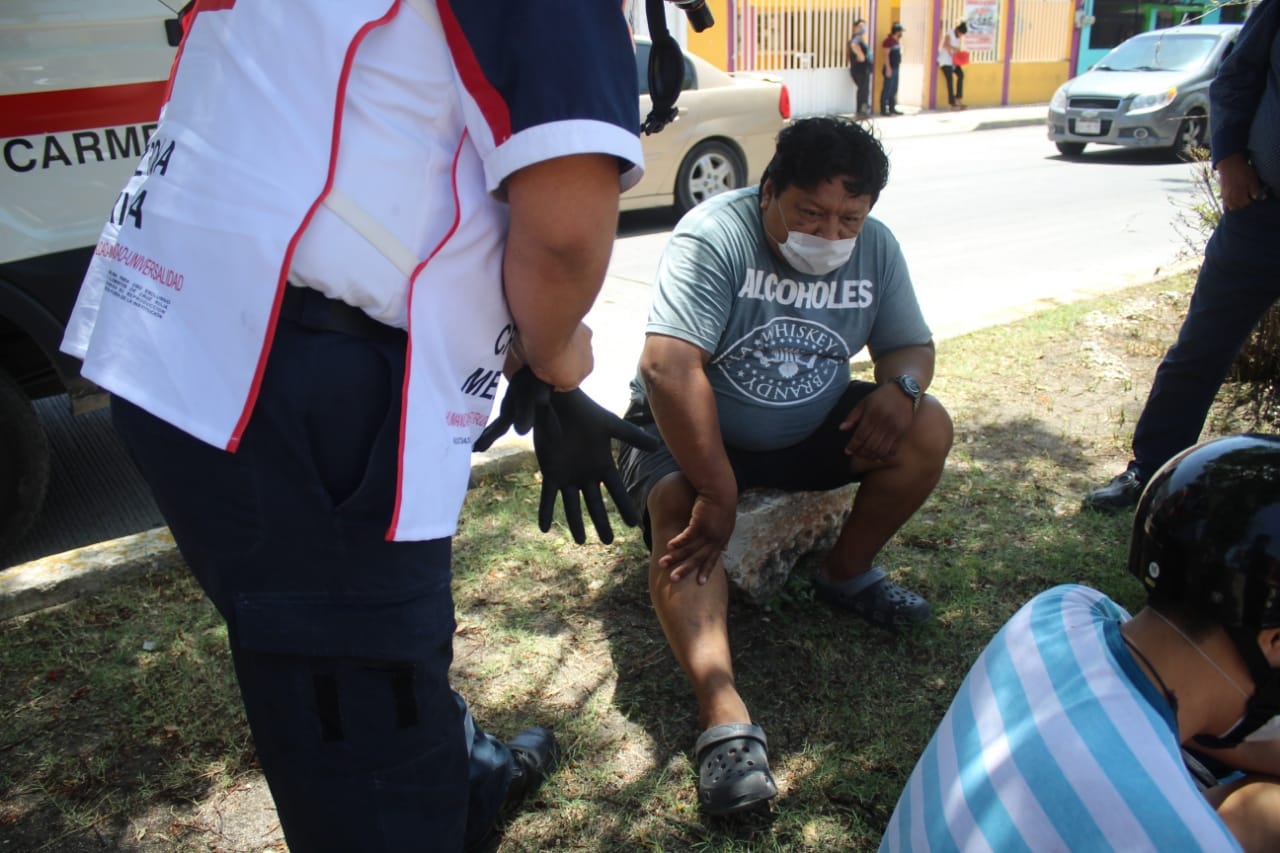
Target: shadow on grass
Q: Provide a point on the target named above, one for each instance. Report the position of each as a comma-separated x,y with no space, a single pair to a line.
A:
115,705
848,707
124,706
99,733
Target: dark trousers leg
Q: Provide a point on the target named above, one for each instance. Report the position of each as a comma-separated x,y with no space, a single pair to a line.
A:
341,640
947,75
889,94
959,83
1239,280
862,80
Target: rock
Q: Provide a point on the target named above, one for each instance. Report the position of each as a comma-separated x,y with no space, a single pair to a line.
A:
775,529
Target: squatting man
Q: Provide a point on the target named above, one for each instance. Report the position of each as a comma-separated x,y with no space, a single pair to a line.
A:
762,297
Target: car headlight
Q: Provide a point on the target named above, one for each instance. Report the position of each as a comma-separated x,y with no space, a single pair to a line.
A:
1151,103
1058,103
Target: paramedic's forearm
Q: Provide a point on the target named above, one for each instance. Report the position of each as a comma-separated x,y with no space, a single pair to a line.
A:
564,215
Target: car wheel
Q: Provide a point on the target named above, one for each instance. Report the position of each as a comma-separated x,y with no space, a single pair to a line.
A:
24,463
710,169
1192,141
1070,149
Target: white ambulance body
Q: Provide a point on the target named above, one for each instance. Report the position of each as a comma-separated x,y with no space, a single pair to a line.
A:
81,84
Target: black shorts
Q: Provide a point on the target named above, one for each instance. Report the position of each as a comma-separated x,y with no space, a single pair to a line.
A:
817,463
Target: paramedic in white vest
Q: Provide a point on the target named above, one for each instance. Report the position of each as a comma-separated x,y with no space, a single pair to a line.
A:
302,302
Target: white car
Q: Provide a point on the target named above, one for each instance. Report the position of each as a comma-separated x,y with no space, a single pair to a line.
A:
722,140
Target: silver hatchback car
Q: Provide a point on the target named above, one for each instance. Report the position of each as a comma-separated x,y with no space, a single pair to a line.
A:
1151,91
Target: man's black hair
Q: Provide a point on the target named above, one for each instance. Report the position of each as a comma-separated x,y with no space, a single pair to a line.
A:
817,149
962,28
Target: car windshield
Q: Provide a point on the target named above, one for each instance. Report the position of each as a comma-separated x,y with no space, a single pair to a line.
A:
1181,52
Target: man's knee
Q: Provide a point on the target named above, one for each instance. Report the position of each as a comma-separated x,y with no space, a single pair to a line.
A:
931,433
670,502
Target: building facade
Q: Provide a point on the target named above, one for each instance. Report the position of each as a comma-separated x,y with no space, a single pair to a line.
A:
1020,50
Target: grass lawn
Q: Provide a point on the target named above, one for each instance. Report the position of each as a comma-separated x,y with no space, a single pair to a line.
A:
121,729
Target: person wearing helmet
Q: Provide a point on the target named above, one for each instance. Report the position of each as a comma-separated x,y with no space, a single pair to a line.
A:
1070,730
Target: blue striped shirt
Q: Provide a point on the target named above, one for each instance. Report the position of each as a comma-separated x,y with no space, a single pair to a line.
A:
1056,740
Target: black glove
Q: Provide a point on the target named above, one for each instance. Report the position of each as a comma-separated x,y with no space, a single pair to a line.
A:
525,393
572,438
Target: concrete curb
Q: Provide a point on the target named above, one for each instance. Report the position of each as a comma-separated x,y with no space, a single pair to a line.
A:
999,124
60,578
945,122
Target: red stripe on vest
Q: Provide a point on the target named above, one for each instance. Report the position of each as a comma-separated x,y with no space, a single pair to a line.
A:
408,358
34,113
492,106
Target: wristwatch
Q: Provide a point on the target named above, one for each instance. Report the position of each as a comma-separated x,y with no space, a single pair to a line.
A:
910,387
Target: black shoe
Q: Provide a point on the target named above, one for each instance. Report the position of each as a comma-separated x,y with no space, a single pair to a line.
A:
896,112
1120,494
536,755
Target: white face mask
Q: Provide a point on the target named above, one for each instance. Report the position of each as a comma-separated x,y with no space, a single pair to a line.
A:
815,255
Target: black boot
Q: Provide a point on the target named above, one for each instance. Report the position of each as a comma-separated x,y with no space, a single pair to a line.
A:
1121,494
535,756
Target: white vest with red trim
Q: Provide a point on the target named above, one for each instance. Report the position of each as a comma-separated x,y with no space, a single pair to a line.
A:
178,308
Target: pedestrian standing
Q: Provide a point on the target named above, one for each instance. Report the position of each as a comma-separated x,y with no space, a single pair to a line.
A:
892,64
859,55
951,60
350,214
1238,281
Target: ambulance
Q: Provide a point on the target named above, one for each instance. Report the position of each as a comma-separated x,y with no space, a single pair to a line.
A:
81,84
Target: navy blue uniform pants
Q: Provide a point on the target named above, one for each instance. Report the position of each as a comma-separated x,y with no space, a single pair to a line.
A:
1239,280
342,641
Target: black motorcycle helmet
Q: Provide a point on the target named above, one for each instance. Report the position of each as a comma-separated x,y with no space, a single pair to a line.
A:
1206,542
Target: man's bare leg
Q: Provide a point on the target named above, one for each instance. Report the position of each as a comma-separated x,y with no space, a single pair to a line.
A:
891,492
694,616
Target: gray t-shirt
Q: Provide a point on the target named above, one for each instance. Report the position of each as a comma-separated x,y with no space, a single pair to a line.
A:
780,339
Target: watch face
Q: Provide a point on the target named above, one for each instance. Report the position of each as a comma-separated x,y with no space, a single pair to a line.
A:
910,385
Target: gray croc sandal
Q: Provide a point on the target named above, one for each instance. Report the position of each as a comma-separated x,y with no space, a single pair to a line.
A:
875,598
733,768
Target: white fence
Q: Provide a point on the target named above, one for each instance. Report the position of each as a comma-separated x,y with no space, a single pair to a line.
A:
803,44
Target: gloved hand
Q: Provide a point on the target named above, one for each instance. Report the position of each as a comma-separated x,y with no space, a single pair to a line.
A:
572,438
525,393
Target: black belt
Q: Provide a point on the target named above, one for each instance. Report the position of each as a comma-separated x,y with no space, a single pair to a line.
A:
311,309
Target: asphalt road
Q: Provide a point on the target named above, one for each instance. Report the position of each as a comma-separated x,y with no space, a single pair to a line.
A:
994,225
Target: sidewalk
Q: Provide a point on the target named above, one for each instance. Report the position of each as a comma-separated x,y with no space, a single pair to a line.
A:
618,322
936,122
